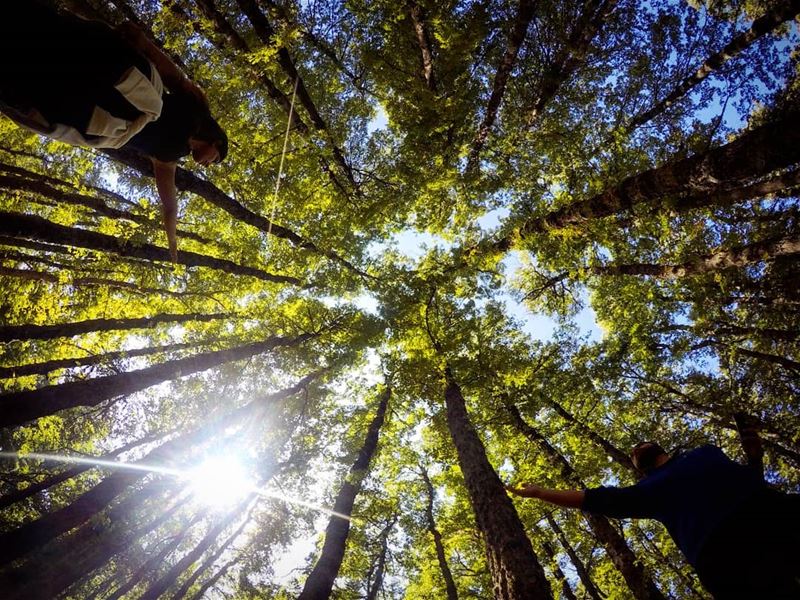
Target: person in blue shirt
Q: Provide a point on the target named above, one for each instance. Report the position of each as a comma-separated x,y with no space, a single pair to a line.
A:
742,537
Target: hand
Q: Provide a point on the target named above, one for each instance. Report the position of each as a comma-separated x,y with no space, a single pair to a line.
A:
526,490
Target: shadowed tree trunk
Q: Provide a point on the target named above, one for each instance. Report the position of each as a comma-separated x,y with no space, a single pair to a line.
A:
623,558
166,581
516,38
154,562
24,406
572,55
60,565
514,567
201,593
51,332
30,226
319,584
18,542
211,559
580,567
374,585
779,12
753,154
83,361
417,14
450,584
566,591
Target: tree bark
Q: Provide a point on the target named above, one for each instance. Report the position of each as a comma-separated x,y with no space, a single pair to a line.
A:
65,562
580,567
641,585
50,332
417,14
617,455
319,584
572,55
374,586
516,38
447,575
30,226
566,590
24,406
736,257
753,154
18,542
778,13
514,567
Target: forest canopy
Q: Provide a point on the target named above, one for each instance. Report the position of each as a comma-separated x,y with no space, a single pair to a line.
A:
455,244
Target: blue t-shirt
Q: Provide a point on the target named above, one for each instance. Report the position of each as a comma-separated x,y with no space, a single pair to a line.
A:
691,495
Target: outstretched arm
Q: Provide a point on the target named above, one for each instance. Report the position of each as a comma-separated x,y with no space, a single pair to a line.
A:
170,74
565,498
165,184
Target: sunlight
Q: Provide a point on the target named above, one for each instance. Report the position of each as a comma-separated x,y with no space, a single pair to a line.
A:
219,482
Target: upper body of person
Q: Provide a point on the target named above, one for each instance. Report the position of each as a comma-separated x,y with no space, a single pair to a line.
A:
84,83
691,493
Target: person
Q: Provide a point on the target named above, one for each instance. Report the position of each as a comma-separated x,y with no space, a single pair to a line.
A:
81,82
742,537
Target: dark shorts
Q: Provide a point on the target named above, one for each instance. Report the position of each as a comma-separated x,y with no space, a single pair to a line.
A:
755,553
61,65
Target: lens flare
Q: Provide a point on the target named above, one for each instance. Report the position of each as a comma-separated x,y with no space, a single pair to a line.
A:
219,482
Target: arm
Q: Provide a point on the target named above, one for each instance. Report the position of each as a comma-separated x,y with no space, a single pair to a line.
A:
170,74
165,184
565,498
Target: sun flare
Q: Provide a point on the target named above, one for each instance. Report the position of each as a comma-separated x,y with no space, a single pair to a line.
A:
219,482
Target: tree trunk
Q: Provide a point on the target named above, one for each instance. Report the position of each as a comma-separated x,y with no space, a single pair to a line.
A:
50,332
18,542
566,591
623,558
753,154
374,586
30,226
617,455
580,567
736,257
450,584
60,565
319,584
166,581
516,38
779,12
515,569
201,593
24,406
572,55
43,368
417,14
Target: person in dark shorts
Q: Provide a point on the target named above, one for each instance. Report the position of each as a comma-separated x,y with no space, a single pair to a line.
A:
742,537
86,84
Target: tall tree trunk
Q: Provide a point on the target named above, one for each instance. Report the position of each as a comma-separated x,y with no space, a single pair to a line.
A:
43,368
374,586
516,38
51,332
24,406
572,55
736,257
319,584
417,14
580,567
211,559
779,12
623,558
566,590
201,593
166,581
60,565
691,585
753,154
515,569
18,542
154,562
30,226
617,455
450,584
